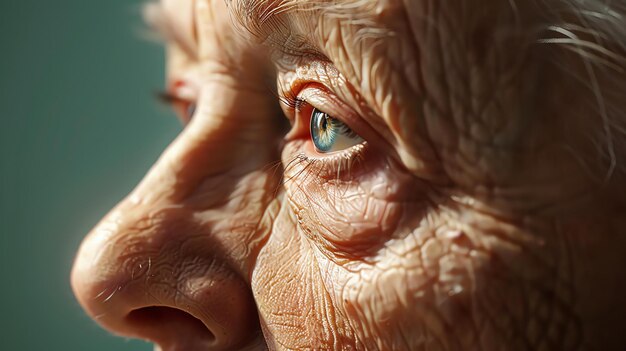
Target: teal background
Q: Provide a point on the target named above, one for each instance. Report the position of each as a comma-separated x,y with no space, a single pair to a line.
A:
79,127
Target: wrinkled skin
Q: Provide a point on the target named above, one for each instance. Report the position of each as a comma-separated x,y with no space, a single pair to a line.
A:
469,219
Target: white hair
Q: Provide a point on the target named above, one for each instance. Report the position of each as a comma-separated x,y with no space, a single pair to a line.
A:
595,32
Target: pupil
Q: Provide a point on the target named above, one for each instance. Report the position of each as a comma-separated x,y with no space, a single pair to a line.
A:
324,123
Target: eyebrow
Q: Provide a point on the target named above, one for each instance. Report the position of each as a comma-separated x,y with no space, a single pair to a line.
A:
259,15
160,22
272,22
269,24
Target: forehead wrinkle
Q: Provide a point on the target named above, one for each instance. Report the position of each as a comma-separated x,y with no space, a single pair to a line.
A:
263,17
291,29
259,17
275,25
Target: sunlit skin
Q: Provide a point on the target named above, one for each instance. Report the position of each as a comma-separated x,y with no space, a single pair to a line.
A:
477,214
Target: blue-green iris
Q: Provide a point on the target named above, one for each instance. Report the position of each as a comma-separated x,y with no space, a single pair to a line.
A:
330,134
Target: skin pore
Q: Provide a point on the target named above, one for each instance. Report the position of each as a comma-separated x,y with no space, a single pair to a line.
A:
484,209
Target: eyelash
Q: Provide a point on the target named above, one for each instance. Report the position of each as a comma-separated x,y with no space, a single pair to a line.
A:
178,104
292,100
343,166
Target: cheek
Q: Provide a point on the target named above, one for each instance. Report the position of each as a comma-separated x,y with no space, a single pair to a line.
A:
455,282
384,259
350,209
295,309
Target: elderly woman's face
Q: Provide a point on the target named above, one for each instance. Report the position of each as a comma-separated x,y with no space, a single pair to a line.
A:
438,183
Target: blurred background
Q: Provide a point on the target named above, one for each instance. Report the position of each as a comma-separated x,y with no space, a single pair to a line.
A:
79,128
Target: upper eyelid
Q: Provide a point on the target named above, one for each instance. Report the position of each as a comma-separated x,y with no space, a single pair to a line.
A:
169,98
292,96
324,100
316,96
305,93
179,91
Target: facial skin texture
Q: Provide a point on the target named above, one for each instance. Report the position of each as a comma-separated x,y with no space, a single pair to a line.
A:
485,211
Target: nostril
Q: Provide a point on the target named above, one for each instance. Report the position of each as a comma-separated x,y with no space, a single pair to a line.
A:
166,326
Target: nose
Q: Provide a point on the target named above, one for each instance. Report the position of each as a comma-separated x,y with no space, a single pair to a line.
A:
168,264
151,274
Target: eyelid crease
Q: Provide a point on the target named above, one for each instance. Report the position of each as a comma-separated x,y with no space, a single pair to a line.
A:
320,98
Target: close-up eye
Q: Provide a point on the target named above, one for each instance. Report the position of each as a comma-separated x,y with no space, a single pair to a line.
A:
182,97
330,134
184,108
325,122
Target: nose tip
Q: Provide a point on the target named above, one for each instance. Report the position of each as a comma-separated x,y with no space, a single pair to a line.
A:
181,299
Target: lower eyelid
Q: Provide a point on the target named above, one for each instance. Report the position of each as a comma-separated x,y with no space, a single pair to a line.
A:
301,160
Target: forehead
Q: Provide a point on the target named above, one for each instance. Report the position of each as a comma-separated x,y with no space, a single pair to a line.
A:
283,21
263,17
